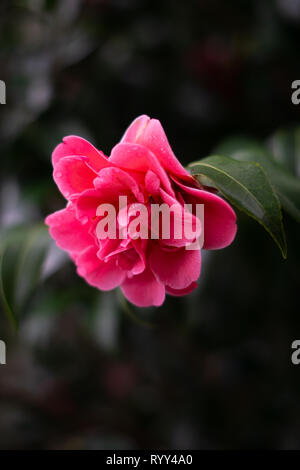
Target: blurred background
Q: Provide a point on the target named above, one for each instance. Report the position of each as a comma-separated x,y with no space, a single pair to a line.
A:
85,370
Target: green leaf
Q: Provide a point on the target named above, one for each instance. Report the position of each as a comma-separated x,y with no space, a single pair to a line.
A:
246,186
22,256
277,167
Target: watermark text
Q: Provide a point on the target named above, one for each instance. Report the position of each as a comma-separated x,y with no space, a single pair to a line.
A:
182,225
296,94
2,92
2,353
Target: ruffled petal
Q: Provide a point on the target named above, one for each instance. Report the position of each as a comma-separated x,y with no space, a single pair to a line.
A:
73,176
133,132
177,268
219,217
87,204
150,133
152,183
97,273
67,231
111,247
114,181
181,292
138,158
183,224
74,145
108,186
140,247
144,290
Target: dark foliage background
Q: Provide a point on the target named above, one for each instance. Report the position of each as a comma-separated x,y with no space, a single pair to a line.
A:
208,371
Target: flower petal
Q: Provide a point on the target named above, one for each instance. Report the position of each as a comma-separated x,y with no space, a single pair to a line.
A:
140,246
111,247
100,274
139,158
183,224
118,181
108,186
150,133
74,145
177,268
133,132
181,292
67,231
73,176
152,183
219,217
144,290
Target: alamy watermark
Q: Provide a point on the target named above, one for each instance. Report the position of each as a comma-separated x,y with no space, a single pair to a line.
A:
295,357
2,352
2,92
183,225
296,94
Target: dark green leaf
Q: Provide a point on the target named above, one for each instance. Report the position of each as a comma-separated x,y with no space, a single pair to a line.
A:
285,183
245,185
23,252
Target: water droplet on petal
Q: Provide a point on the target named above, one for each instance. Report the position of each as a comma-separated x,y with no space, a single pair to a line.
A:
58,174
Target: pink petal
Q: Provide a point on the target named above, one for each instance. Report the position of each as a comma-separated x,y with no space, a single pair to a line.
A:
67,231
74,145
111,247
97,273
87,204
133,132
150,133
138,158
152,183
127,259
177,268
178,217
117,180
109,185
73,176
181,292
144,290
219,217
131,254
141,247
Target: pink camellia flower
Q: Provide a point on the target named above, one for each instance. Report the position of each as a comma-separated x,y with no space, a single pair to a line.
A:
143,168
